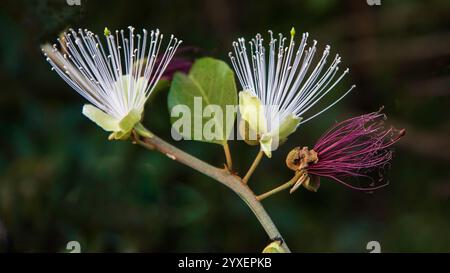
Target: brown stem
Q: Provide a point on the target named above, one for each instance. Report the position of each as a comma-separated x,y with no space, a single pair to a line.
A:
223,176
253,167
285,186
226,149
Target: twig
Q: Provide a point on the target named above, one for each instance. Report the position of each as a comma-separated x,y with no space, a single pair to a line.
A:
253,167
226,149
285,186
223,176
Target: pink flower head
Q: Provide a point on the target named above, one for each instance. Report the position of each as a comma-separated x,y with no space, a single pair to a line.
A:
354,148
180,63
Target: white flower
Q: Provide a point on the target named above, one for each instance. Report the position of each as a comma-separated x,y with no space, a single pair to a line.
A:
279,87
117,78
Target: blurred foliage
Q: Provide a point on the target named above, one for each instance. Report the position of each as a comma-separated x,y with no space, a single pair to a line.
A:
61,180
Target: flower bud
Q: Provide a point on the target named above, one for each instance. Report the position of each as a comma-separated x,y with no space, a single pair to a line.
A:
274,247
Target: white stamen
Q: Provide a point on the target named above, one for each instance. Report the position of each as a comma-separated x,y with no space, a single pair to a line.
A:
115,78
283,78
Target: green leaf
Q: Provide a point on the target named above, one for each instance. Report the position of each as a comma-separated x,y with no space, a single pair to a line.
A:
105,121
210,83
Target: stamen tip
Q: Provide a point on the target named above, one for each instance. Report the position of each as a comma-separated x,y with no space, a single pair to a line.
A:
106,32
292,32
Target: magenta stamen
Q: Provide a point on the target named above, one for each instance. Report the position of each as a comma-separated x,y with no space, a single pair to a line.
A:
355,147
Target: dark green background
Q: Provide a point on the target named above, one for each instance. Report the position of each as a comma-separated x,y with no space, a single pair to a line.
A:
61,180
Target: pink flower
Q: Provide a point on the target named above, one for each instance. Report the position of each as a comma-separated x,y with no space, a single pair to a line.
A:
181,62
353,148
178,64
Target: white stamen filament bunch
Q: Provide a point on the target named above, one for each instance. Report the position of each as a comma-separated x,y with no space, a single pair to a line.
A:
117,78
280,78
